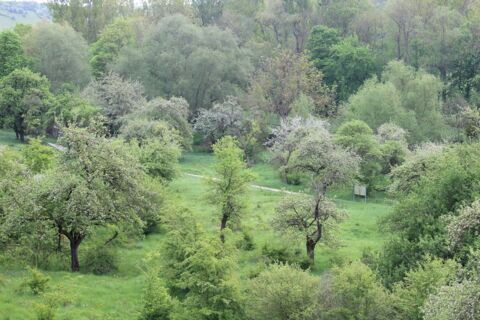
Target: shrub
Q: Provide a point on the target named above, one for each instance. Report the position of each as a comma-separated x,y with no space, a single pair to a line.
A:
157,302
37,281
273,253
45,312
100,260
246,242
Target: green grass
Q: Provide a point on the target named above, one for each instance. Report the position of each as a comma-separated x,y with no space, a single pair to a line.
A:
118,296
7,137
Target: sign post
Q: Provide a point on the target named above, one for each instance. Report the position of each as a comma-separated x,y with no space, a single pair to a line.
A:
361,191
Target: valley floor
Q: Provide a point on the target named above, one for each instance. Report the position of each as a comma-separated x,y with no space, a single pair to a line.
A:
118,296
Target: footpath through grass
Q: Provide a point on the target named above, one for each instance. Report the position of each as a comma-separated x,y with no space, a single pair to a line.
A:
118,296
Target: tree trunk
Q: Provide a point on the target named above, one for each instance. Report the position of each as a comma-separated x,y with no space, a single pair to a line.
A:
223,226
311,250
75,241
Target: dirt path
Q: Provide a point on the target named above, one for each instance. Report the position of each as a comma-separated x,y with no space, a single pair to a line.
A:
252,185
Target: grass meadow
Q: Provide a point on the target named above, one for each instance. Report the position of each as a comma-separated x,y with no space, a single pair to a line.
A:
118,296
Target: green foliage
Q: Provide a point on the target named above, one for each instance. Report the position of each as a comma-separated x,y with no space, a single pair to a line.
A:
88,20
282,292
101,260
328,164
158,304
159,157
458,301
69,108
406,97
346,63
37,282
228,190
198,268
111,40
442,187
421,282
282,79
94,175
353,292
11,53
213,66
38,157
59,53
146,121
357,136
24,100
45,312
116,96
351,64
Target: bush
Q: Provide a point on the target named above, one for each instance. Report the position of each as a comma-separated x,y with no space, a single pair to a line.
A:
282,254
246,242
45,312
157,302
37,281
100,260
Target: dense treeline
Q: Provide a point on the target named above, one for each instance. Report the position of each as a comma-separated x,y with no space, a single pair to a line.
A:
384,94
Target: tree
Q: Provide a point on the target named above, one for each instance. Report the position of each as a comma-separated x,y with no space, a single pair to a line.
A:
89,17
405,96
407,176
469,122
70,108
286,24
228,190
158,304
438,188
229,118
282,79
350,65
459,301
96,183
112,39
341,14
198,269
327,165
313,218
464,227
59,53
345,63
178,58
11,52
173,112
159,157
389,131
38,157
286,138
353,291
421,282
24,100
117,97
282,292
208,10
357,136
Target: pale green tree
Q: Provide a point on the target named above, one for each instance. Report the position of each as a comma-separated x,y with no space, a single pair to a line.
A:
24,101
59,53
283,292
229,187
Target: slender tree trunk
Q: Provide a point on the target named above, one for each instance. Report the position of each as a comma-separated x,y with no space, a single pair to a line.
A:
223,225
310,244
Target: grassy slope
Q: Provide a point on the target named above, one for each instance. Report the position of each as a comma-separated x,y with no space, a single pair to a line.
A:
119,296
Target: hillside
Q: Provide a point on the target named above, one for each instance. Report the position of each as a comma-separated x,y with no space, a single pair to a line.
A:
13,12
